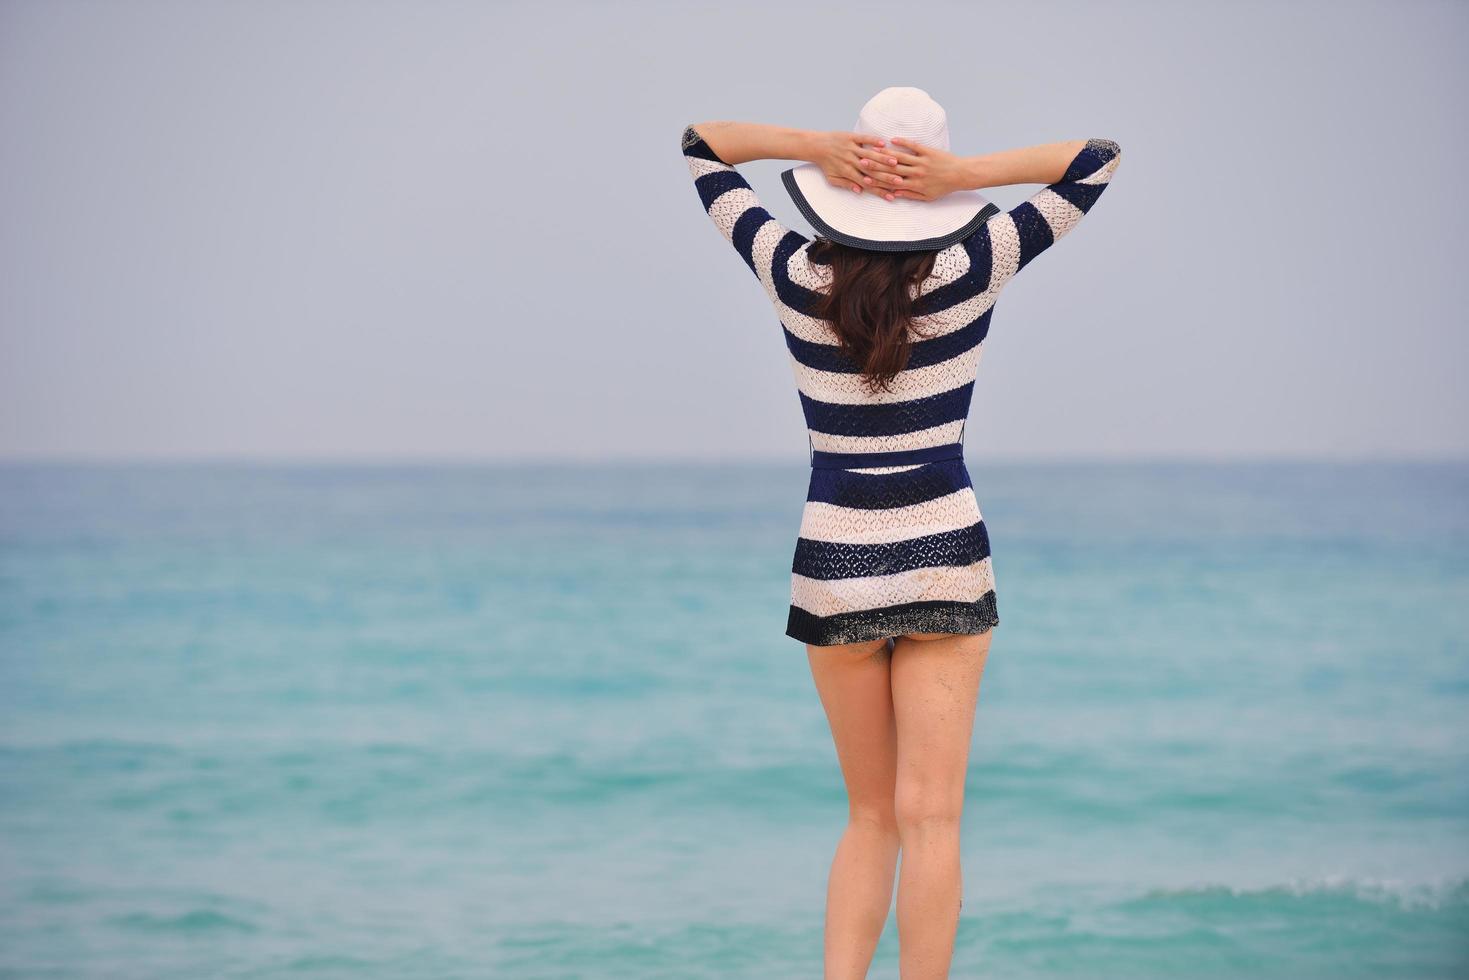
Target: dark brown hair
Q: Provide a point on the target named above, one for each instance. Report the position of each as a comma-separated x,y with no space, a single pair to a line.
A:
870,305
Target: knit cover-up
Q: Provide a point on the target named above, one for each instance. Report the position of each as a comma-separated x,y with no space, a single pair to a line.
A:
899,548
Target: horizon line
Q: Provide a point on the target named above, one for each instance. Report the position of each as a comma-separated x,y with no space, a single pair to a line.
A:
367,460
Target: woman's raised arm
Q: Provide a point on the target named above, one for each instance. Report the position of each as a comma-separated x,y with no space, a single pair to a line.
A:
731,203
711,149
847,159
1075,173
741,142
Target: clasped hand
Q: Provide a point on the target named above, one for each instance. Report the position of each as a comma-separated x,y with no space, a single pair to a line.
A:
890,168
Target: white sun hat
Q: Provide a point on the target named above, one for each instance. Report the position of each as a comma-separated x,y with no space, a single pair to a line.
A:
903,224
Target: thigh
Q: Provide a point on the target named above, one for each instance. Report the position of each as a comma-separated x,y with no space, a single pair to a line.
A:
935,689
854,683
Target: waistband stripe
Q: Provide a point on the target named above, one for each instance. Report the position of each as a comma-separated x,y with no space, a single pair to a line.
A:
823,460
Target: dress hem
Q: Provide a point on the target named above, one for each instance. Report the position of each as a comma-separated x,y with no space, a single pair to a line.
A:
859,626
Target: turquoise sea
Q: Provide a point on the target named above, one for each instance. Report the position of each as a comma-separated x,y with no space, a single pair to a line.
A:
542,721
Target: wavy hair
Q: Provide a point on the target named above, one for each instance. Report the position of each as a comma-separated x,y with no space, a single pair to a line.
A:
870,305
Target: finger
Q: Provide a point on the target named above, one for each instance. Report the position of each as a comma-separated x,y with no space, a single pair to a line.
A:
868,165
878,187
847,177
882,191
876,160
861,187
885,174
868,139
882,176
908,165
860,174
882,182
845,183
862,179
905,150
896,165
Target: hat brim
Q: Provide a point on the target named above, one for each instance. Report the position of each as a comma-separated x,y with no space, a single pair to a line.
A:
868,221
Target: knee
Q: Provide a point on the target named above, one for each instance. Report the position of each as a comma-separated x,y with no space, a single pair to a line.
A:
922,809
876,816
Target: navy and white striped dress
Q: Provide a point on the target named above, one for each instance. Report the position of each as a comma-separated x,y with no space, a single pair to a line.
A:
891,539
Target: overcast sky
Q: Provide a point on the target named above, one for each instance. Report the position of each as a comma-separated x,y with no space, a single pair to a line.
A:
466,230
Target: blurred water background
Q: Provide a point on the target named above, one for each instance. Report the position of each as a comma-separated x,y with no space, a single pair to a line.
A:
541,721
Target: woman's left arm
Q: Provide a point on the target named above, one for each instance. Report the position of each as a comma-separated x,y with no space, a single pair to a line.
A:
712,149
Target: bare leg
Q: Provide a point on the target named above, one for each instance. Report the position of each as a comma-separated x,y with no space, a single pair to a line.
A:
856,691
935,690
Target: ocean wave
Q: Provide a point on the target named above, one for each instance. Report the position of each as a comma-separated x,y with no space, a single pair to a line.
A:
191,921
1449,893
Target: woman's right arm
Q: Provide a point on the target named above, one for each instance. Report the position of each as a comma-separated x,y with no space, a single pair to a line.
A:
1044,163
1075,173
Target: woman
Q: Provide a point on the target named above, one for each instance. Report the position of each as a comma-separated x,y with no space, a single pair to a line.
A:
892,591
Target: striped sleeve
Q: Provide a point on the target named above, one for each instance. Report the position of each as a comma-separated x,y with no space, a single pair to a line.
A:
1028,229
732,205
